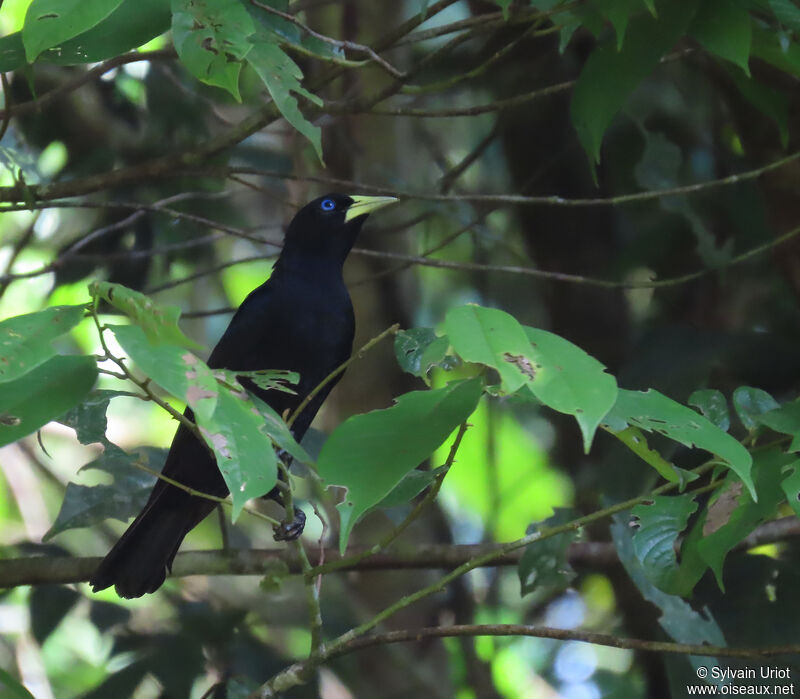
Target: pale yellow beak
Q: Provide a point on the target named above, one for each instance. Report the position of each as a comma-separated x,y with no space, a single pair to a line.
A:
364,205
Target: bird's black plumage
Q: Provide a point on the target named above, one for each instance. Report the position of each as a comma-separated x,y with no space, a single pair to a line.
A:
300,319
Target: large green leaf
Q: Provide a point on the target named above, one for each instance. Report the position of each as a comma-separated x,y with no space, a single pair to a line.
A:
610,75
370,454
52,22
175,369
212,38
26,340
660,524
571,381
654,412
282,76
492,337
44,394
159,323
245,455
724,28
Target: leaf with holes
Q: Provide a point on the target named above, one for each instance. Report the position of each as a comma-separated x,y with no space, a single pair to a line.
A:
660,525
212,39
52,22
543,565
26,340
370,454
89,418
173,368
44,394
281,76
654,412
418,350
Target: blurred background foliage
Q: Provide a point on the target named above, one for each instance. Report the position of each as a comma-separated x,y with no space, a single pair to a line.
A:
487,105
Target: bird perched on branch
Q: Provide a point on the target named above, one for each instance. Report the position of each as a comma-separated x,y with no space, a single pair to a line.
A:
300,319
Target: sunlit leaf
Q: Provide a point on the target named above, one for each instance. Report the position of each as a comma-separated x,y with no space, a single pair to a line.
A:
26,340
370,454
159,323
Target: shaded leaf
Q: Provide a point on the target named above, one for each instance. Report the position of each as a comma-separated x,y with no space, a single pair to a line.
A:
413,484
787,13
791,485
419,349
609,76
44,394
89,418
269,379
26,340
543,565
750,403
278,431
712,404
660,524
159,323
87,506
48,605
370,454
633,438
786,420
724,28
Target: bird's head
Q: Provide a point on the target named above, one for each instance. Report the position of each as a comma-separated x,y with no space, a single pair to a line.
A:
328,226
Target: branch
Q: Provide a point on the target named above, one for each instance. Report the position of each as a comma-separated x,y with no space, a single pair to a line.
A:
601,639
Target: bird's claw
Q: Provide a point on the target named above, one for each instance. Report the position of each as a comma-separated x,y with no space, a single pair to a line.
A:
289,531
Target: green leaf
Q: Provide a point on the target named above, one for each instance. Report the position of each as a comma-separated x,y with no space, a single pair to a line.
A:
89,418
52,22
544,565
750,403
15,688
785,420
633,438
609,76
494,338
159,323
244,452
770,46
654,412
278,431
419,349
12,52
787,13
770,102
48,605
87,506
724,28
282,76
132,24
413,484
271,379
44,394
175,369
791,486
212,39
618,12
571,381
660,524
712,404
683,623
370,454
26,340
735,514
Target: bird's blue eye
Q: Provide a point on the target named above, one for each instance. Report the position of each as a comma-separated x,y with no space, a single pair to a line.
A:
328,204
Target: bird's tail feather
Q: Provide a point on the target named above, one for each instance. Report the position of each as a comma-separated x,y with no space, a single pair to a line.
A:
139,561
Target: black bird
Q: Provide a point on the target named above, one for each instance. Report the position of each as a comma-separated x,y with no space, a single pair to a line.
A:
300,319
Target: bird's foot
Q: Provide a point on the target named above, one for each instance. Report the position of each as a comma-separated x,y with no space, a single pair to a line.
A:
289,531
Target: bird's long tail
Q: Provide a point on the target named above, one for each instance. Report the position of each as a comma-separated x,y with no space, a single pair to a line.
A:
139,562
